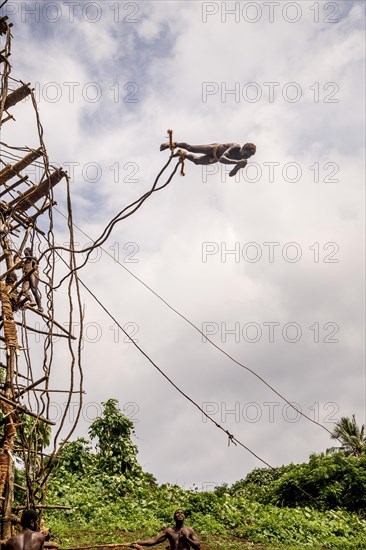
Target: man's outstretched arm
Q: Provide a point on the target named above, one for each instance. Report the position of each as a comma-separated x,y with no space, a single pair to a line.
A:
157,540
239,165
226,160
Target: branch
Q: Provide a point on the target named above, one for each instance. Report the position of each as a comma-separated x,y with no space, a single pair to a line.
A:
24,410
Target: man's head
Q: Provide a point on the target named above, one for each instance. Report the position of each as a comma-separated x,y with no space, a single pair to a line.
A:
27,252
248,150
179,515
11,278
29,520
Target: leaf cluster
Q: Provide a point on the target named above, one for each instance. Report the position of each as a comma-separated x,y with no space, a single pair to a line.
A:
325,482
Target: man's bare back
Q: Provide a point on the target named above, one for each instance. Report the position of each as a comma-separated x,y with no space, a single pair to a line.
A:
29,538
26,540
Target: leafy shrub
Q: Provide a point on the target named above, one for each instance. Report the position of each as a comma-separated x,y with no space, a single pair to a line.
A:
335,481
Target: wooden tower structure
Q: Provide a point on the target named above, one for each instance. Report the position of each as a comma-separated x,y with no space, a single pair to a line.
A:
28,254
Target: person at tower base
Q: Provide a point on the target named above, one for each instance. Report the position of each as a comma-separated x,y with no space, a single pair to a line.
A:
180,537
30,538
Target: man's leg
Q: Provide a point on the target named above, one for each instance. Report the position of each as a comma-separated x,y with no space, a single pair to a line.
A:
26,292
203,149
205,159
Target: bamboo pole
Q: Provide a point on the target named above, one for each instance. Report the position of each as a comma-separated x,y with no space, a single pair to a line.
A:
17,95
24,410
13,186
10,171
25,390
7,463
33,195
10,270
41,314
32,329
8,503
18,373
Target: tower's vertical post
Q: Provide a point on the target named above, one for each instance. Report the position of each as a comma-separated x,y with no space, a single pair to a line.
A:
7,445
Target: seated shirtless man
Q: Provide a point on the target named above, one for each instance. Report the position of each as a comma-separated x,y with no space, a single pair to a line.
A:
180,537
30,538
227,153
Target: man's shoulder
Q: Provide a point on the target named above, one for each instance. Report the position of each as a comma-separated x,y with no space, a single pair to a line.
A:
189,528
13,542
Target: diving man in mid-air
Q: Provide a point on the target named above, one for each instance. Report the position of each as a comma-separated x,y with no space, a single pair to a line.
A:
226,153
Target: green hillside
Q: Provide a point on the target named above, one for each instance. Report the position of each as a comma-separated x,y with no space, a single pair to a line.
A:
318,504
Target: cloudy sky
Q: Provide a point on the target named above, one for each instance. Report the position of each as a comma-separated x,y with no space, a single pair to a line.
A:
270,264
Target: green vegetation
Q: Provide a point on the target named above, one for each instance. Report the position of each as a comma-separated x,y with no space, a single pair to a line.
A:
326,482
316,505
352,437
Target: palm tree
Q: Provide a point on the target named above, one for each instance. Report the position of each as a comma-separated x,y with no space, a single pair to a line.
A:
350,435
